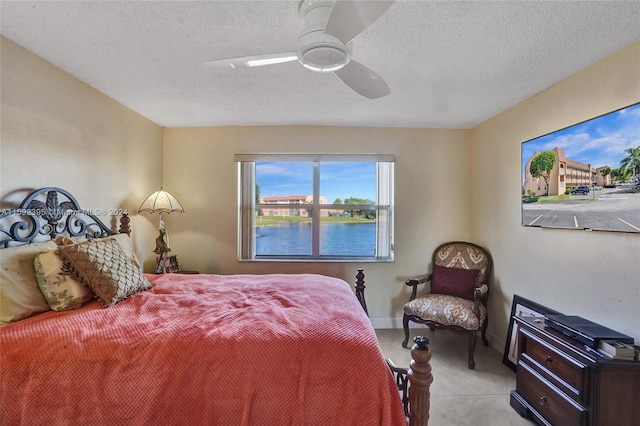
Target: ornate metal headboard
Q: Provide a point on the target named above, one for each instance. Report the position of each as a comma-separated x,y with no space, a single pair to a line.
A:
41,214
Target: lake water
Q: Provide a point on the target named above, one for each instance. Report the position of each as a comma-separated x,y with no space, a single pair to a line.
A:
294,238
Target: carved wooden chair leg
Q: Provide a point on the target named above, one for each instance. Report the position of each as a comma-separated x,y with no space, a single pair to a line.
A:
484,331
405,325
472,348
420,380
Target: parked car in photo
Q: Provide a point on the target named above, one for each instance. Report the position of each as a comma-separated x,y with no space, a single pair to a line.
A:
581,190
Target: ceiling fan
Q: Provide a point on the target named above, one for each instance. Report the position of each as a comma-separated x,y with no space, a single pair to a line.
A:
325,44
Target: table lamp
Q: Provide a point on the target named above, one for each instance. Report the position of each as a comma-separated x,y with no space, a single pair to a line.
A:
161,202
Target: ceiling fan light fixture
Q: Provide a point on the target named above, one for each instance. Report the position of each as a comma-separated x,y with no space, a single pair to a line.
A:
322,69
323,58
322,52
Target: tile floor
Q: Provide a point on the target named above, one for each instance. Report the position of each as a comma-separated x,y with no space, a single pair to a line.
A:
460,396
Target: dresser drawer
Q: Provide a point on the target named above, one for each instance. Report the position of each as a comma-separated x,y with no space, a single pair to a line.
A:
561,383
564,371
551,403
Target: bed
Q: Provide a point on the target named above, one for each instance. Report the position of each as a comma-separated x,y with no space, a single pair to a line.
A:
177,349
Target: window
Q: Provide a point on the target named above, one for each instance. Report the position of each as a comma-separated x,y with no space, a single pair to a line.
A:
315,207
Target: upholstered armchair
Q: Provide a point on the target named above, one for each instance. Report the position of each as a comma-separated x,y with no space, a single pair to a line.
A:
456,299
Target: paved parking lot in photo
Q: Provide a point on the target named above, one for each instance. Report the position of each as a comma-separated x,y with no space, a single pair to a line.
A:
609,209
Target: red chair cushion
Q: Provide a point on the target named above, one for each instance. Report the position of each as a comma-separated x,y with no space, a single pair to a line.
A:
454,281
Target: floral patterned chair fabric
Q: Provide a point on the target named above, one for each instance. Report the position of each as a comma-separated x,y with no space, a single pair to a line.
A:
456,298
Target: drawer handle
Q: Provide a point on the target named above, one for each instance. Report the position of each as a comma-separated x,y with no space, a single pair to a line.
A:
548,360
542,400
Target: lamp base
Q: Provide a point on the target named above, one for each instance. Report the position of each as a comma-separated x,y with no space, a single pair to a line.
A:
162,261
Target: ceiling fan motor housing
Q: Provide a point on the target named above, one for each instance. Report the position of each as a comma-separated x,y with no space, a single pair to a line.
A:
317,50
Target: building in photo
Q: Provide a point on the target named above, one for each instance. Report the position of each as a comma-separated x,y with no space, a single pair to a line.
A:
566,174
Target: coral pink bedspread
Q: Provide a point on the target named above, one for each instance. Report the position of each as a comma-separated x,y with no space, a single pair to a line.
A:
202,350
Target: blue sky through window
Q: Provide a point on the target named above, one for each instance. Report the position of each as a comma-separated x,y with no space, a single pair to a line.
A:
600,141
337,180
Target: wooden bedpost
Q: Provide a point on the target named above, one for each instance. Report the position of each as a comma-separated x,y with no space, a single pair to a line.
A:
360,290
418,375
124,224
420,379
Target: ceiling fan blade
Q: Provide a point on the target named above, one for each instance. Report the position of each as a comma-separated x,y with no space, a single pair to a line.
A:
253,61
349,18
362,80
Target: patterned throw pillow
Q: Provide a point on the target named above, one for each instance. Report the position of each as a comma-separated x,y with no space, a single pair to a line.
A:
106,269
457,282
123,239
56,283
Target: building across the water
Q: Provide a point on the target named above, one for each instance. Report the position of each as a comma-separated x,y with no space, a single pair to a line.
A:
282,205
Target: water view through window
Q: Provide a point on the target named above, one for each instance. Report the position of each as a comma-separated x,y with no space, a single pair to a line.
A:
322,209
336,239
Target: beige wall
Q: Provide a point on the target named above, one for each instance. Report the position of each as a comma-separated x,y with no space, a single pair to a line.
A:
58,131
595,275
432,195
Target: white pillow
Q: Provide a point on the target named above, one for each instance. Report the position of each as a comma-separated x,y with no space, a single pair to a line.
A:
20,296
57,285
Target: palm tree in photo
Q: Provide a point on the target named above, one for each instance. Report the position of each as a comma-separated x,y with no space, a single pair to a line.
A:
632,161
620,175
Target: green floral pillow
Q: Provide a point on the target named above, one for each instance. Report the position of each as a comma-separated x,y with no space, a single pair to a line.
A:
56,283
20,296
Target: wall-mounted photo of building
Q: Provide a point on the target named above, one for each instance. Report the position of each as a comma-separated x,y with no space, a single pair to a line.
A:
586,176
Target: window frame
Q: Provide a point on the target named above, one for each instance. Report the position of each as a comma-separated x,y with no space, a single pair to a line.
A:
385,165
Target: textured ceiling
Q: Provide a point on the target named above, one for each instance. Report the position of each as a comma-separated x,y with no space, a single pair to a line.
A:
450,64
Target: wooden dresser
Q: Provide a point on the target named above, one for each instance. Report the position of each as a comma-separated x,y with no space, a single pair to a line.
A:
559,382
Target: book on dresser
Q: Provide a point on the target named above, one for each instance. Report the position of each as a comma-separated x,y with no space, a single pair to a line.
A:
614,349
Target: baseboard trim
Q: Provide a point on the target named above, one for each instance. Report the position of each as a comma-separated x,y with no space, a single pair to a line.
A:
387,323
396,323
